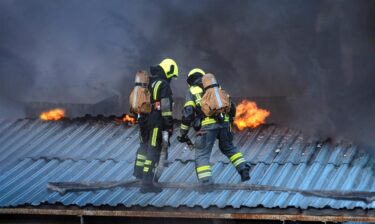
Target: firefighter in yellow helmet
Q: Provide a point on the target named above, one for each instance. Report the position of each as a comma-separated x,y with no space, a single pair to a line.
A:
208,132
160,119
192,104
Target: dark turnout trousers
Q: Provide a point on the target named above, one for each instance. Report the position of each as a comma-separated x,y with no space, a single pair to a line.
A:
141,155
153,154
204,143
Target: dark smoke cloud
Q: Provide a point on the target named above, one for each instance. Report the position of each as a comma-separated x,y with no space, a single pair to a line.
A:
318,54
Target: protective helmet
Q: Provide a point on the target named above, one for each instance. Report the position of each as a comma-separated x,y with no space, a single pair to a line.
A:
194,74
169,67
196,70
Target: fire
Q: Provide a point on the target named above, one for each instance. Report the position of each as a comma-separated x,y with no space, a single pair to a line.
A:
248,115
52,115
129,119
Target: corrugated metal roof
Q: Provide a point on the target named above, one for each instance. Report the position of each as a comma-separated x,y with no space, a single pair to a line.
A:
26,183
110,140
33,153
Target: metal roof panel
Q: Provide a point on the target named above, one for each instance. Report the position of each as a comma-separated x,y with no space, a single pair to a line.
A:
33,152
109,140
27,182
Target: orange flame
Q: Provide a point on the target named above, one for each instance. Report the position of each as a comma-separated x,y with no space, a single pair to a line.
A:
52,115
248,115
129,119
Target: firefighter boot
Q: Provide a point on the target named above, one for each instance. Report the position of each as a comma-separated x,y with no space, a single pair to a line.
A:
245,173
138,176
148,185
138,172
206,186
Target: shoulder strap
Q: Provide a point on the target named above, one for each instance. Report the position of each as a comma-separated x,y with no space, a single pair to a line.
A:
144,85
212,86
155,89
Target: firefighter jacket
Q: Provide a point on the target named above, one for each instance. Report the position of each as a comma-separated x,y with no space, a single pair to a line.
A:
191,110
161,100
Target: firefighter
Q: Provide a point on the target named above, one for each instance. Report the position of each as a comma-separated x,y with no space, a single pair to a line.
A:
160,119
211,128
190,116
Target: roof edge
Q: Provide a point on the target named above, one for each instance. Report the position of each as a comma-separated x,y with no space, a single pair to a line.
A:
249,214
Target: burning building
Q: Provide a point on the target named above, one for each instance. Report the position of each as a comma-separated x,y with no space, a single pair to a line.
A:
307,64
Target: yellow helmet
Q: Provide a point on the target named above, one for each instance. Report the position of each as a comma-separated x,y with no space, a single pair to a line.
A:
193,75
169,67
196,70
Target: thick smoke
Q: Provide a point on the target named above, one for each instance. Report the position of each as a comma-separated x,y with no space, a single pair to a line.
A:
317,54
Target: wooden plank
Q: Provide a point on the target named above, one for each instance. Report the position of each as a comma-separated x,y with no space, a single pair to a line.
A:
187,214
